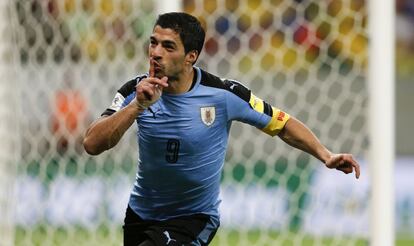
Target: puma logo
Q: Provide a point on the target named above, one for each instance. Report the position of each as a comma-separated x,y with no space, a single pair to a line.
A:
169,239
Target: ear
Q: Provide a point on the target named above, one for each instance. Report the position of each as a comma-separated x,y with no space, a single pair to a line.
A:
191,57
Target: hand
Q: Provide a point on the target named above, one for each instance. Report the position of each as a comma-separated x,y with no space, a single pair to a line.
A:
344,163
149,90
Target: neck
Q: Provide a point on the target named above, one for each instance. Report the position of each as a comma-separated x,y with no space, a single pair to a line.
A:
183,83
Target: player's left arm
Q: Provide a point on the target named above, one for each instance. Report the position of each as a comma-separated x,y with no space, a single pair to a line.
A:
244,106
296,134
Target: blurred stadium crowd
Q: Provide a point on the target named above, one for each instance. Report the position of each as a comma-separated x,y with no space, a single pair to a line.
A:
118,31
286,37
106,29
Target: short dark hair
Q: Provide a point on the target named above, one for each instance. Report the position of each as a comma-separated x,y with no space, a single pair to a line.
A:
189,28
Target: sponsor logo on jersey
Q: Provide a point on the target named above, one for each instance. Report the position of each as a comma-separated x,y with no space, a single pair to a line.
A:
208,115
117,102
281,116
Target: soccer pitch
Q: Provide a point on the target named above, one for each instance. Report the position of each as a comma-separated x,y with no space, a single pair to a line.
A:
41,235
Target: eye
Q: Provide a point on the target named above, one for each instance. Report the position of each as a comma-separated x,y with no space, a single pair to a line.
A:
169,47
153,41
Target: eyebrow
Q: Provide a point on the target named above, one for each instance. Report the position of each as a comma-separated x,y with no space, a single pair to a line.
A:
165,42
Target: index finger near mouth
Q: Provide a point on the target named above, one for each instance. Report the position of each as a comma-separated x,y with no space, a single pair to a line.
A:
151,69
157,82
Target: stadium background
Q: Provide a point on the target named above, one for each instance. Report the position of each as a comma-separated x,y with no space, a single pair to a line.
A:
307,56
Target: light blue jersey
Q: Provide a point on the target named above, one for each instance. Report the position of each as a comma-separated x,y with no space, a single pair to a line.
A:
183,140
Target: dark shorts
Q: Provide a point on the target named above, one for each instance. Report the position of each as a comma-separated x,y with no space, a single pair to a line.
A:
197,229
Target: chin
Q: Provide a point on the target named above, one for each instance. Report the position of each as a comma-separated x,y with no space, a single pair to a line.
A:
159,74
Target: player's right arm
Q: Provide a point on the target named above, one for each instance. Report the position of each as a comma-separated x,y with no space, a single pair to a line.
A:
105,132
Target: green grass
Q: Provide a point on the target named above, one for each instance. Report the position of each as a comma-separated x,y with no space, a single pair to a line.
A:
44,235
271,238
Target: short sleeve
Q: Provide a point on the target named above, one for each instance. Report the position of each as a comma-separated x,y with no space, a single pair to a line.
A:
243,105
124,96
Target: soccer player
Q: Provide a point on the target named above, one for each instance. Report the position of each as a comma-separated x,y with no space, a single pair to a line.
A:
184,116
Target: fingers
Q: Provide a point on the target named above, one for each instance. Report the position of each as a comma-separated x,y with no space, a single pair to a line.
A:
356,166
146,90
353,164
347,164
165,80
345,168
162,83
149,90
151,69
150,86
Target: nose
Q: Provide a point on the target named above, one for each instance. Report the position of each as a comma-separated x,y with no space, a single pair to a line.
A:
156,51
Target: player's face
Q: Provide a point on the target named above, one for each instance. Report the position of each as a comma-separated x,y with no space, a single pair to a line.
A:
167,52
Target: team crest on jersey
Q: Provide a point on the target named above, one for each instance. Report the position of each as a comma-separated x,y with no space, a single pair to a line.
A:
208,115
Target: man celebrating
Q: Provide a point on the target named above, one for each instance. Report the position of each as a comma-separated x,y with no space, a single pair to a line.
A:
184,115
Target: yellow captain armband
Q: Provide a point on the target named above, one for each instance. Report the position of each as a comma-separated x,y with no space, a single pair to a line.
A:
256,103
279,118
278,121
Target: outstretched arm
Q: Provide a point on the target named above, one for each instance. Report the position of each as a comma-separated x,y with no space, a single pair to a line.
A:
296,134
